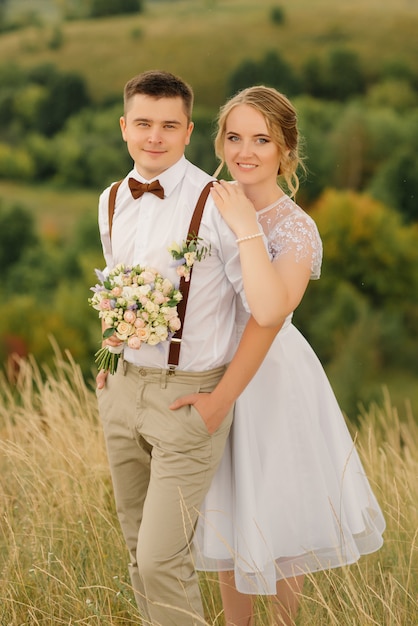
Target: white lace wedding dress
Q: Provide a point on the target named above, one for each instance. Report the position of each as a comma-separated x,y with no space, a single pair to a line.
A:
290,495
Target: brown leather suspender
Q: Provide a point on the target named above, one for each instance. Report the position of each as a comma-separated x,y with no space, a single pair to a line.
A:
184,287
112,203
175,345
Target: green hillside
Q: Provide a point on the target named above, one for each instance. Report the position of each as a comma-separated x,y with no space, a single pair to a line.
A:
60,145
204,40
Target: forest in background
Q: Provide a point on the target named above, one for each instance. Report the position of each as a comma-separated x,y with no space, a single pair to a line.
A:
351,72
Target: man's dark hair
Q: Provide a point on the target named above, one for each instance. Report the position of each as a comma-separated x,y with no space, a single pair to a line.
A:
160,84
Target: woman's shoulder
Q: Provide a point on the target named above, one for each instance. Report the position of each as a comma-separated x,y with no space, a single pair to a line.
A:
287,214
289,227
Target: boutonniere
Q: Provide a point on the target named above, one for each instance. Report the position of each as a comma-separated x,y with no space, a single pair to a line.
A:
187,253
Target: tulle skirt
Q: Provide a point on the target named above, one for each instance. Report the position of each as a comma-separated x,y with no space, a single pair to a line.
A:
291,495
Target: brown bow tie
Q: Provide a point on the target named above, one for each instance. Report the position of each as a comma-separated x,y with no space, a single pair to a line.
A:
138,189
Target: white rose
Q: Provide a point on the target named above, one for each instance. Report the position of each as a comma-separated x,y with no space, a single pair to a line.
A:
151,307
143,290
161,332
153,339
190,258
124,330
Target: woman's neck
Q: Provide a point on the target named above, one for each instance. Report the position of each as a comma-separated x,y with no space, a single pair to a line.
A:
261,196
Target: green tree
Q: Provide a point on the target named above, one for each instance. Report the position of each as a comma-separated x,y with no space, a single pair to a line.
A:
343,74
396,94
17,235
67,94
313,77
361,316
15,163
277,15
339,76
90,151
41,99
317,121
368,245
272,70
394,180
349,144
200,150
101,8
3,6
396,183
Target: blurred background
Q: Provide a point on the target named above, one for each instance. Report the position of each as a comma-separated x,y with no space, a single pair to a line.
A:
351,69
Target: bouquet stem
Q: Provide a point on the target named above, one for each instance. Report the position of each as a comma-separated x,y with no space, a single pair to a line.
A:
107,359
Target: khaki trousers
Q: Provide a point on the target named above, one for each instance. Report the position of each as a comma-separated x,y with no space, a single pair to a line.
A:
162,463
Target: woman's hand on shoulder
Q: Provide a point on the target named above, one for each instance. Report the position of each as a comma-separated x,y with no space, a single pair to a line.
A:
234,206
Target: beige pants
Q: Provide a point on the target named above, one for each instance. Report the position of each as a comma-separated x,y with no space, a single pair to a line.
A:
162,463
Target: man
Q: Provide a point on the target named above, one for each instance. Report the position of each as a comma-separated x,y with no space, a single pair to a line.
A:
162,461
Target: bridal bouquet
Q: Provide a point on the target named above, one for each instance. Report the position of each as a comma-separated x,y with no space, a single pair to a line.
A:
137,305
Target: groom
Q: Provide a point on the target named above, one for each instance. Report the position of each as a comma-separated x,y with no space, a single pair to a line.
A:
162,461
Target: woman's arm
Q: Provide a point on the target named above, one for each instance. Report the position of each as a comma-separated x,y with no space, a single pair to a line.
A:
253,347
273,290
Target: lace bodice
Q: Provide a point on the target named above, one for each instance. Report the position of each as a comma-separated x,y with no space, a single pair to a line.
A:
290,230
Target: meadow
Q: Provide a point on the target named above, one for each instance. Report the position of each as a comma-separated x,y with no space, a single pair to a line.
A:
204,40
62,557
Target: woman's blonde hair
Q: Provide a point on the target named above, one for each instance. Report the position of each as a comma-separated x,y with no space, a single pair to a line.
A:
281,120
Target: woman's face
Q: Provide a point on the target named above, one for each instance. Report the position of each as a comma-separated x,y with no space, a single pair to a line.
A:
250,153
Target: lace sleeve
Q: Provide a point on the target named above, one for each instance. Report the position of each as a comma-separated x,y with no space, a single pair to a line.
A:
292,231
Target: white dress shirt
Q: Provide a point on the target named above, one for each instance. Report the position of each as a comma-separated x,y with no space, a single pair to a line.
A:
142,231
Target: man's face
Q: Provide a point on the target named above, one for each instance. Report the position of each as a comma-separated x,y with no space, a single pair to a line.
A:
156,131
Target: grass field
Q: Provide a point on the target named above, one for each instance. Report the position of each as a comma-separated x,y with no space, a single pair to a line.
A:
204,40
63,560
56,211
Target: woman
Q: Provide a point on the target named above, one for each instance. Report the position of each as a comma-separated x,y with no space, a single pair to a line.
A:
291,495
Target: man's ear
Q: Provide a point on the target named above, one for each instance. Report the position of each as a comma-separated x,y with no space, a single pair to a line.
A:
189,133
122,123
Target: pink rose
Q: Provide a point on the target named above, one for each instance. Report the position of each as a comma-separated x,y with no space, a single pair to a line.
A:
147,276
142,334
116,291
174,324
134,342
105,305
158,297
139,323
183,270
129,316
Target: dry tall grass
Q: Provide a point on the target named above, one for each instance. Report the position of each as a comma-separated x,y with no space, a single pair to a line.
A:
62,558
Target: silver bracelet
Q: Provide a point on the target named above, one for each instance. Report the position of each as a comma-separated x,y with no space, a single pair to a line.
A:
248,237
